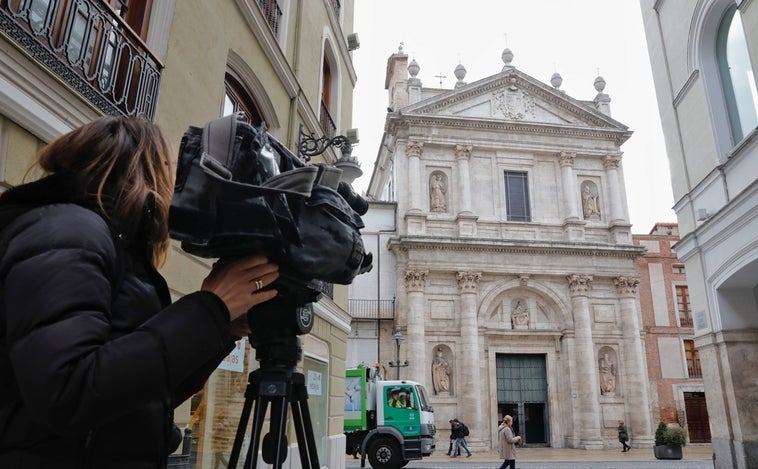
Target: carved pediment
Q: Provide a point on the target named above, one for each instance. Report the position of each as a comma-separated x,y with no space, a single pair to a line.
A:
514,96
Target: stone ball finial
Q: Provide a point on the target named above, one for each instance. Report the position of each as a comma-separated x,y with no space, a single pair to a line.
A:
460,72
413,68
400,48
556,80
507,57
599,84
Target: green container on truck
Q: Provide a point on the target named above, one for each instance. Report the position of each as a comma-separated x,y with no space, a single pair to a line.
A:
390,422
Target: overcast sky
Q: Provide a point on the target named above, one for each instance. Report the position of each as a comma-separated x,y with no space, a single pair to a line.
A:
576,38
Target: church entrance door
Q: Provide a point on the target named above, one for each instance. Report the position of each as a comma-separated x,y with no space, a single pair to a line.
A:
522,394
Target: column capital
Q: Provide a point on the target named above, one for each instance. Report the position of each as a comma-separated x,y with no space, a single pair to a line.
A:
415,279
468,281
611,161
626,286
414,148
579,284
566,158
463,152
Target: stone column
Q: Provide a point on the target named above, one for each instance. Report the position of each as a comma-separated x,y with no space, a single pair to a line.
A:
413,150
633,369
569,184
462,156
611,164
587,379
471,388
415,344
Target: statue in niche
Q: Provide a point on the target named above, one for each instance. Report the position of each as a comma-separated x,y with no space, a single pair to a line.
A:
440,374
520,316
437,194
607,376
590,205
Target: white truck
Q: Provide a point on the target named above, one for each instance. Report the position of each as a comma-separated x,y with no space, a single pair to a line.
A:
390,422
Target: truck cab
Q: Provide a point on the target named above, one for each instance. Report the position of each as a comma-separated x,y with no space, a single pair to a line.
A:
390,423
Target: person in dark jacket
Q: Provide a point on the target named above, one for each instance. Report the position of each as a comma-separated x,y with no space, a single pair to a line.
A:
93,355
623,436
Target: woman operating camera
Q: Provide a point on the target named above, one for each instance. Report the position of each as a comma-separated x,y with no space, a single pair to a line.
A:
93,355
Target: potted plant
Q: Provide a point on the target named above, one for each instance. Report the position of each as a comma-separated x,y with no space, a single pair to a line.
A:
669,441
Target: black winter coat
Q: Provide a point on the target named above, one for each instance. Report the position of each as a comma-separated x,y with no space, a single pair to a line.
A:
93,357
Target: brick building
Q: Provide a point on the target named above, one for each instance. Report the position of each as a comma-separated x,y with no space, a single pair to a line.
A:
673,364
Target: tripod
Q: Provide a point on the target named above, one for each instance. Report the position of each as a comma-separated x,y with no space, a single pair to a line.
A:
277,383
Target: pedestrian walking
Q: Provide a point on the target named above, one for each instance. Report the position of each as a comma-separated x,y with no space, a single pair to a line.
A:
460,432
623,436
507,443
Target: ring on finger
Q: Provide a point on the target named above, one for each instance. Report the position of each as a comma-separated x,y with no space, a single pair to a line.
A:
258,284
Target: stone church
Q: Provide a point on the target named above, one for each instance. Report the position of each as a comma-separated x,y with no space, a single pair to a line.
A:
514,266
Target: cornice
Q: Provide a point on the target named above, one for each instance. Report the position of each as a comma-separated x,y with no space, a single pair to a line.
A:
422,120
545,248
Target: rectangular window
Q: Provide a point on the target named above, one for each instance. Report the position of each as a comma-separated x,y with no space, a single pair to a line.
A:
316,374
683,306
693,359
517,196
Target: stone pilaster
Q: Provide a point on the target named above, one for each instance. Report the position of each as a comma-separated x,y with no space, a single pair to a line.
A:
634,373
415,348
471,385
587,390
568,180
611,165
462,156
413,151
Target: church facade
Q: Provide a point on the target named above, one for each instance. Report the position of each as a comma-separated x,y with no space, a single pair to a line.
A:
514,267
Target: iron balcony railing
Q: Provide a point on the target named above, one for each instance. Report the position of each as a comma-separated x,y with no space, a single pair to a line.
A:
685,321
371,309
694,370
326,121
272,13
89,47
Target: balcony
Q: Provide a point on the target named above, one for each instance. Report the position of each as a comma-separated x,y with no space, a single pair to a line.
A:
327,123
694,370
272,13
372,309
90,48
685,321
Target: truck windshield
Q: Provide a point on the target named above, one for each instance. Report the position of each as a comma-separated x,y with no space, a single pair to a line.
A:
422,400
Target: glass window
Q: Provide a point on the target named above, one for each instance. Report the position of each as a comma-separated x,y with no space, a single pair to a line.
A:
517,196
237,98
316,374
693,360
737,78
683,306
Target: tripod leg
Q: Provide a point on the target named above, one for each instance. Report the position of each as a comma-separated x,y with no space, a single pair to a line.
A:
303,424
275,441
251,459
244,417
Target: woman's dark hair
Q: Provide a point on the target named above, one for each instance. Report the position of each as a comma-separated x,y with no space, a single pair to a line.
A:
124,160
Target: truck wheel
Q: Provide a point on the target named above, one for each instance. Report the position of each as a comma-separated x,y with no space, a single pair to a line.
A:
384,453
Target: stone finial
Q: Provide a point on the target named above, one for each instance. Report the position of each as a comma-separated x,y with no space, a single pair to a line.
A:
599,84
507,57
460,74
413,68
556,80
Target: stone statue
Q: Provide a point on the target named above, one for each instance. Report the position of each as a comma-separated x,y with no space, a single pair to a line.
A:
437,194
520,315
590,204
440,374
607,376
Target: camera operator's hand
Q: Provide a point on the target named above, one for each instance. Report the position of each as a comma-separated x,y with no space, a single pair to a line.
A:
242,284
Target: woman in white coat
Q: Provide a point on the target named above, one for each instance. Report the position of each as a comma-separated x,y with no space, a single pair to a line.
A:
507,443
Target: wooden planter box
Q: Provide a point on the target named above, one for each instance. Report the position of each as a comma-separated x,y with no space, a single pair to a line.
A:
667,452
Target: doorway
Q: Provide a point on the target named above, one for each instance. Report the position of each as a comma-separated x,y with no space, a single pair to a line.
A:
522,394
697,417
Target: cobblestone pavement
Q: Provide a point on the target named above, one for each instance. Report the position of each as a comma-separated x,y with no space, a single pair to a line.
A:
695,457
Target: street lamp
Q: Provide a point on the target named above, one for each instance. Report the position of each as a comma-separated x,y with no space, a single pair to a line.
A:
398,336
